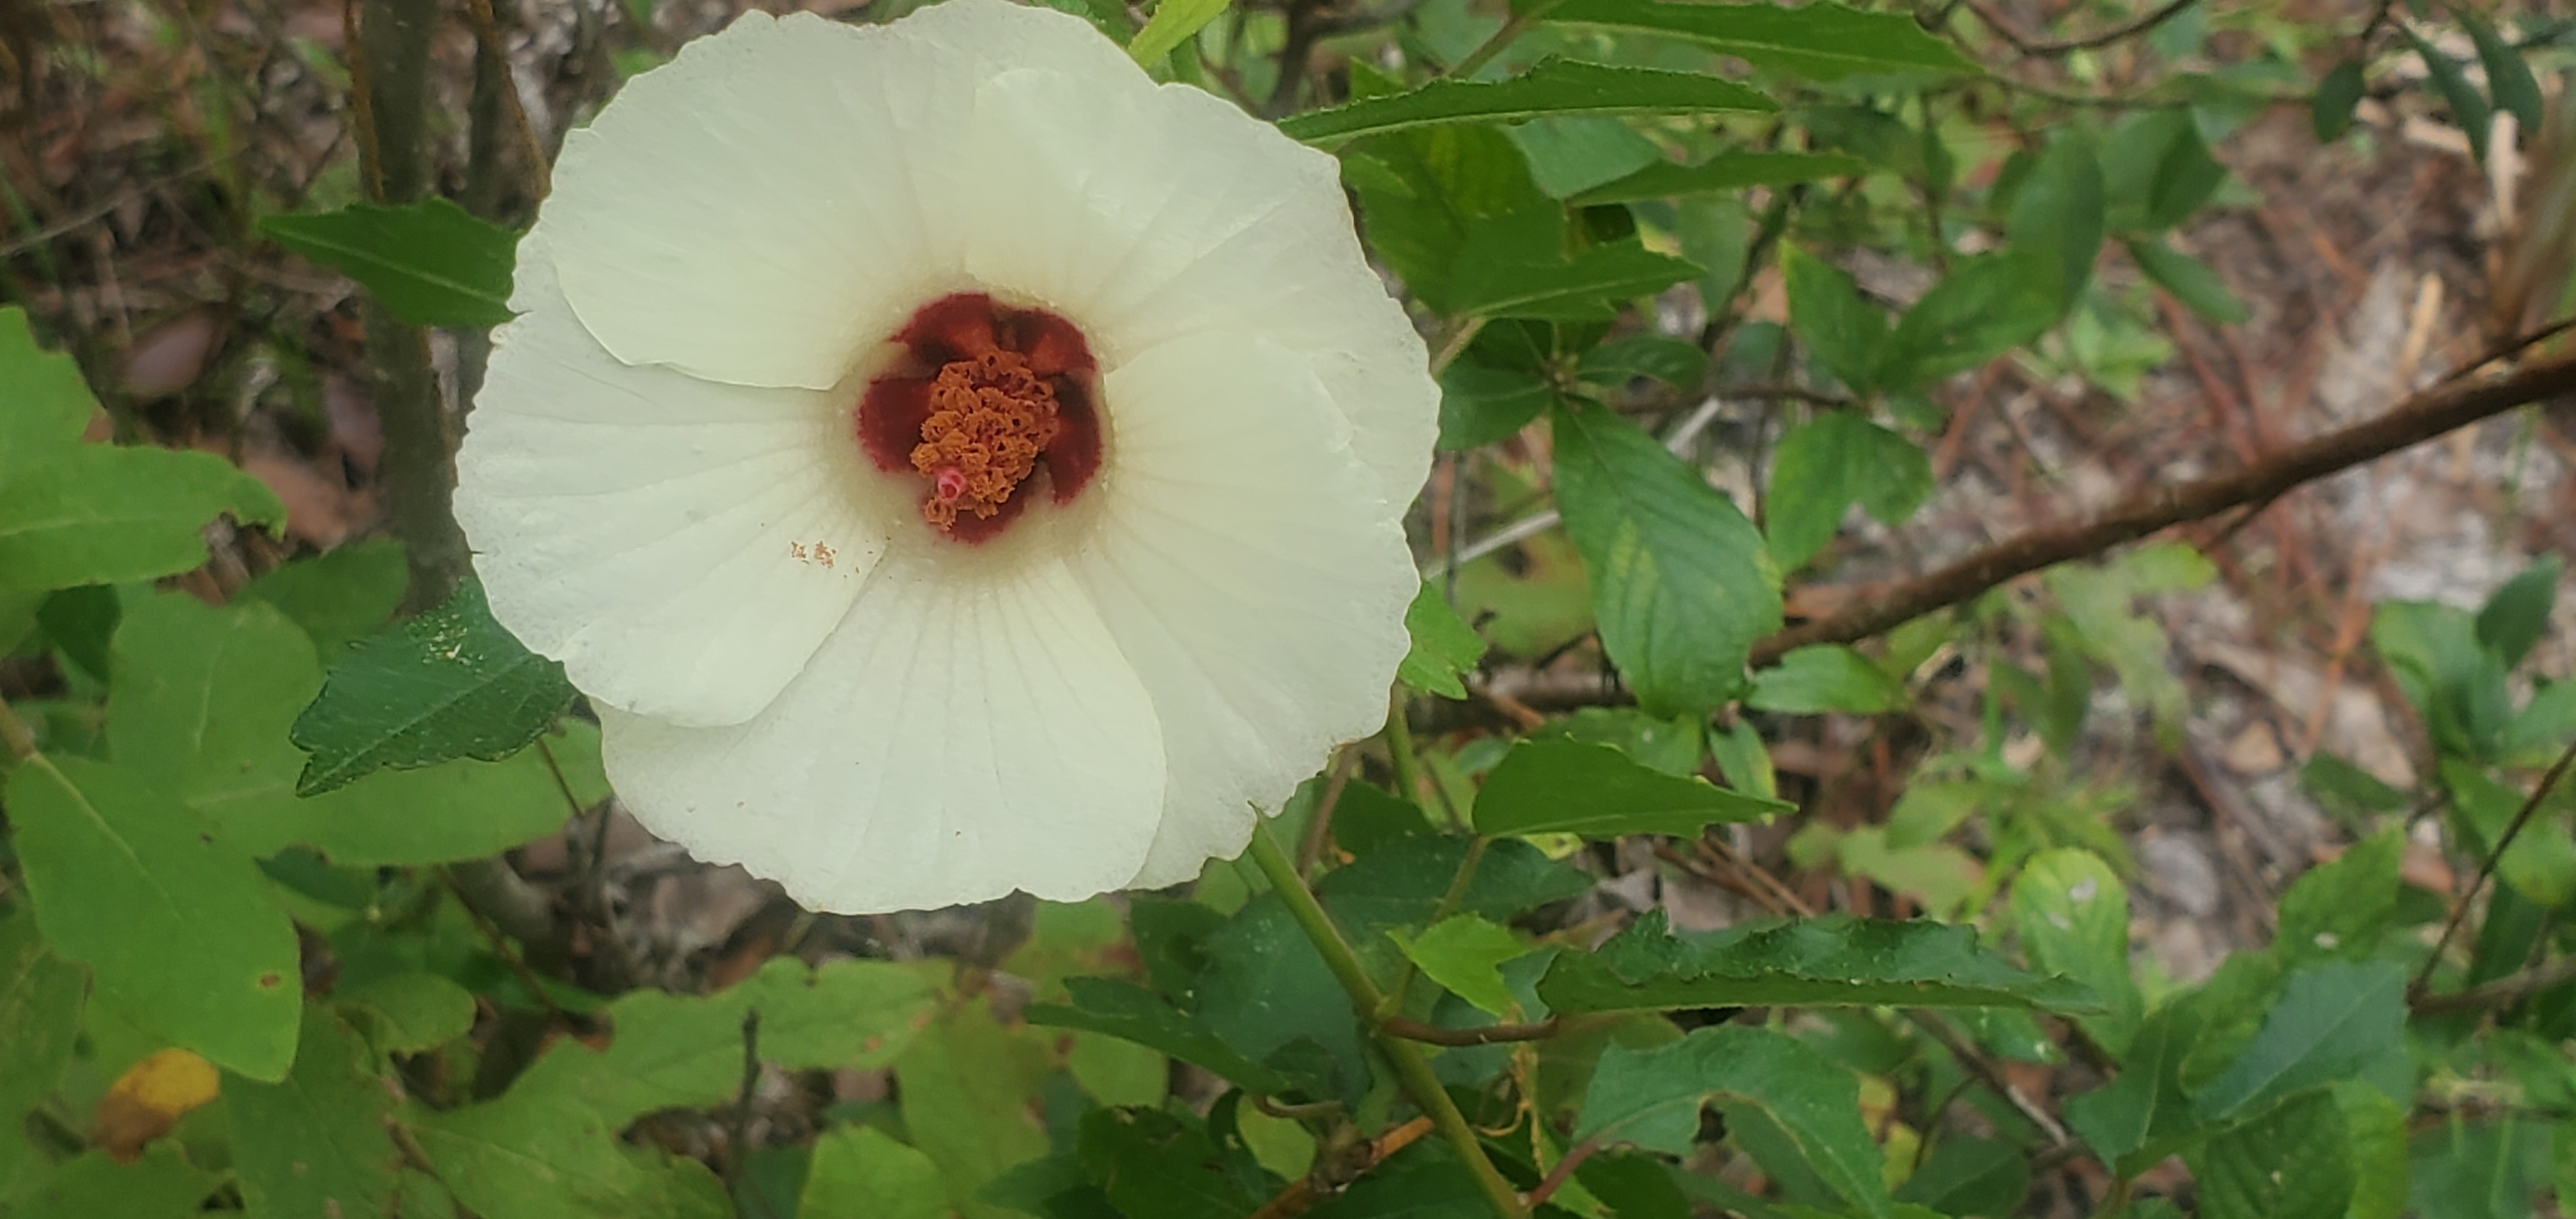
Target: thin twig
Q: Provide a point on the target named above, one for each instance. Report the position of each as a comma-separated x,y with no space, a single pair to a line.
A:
2500,992
2054,48
2521,817
739,1135
1563,1171
2442,409
487,32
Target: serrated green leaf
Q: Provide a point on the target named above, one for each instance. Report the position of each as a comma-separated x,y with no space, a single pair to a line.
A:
1826,677
2072,914
1984,307
2190,280
1569,787
203,706
1174,22
1653,1099
2147,1104
448,684
2338,93
1847,334
1444,646
685,1051
859,1170
1481,404
432,263
1153,1165
106,514
174,923
1551,87
1675,362
1681,583
1829,961
408,1013
1821,41
1672,746
1727,171
1831,462
2333,1020
1586,286
2509,80
1122,1009
2292,1163
315,1143
1465,953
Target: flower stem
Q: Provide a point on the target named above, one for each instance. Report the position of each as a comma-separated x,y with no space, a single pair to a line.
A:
1411,1067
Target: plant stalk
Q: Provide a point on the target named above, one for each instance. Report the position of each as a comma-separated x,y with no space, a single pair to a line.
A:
1411,1068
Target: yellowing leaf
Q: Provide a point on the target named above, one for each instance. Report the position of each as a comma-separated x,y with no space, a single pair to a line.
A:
149,1099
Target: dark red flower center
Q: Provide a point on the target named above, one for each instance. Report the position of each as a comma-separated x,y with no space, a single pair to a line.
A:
985,400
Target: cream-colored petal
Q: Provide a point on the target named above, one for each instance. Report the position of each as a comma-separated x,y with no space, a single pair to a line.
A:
1249,568
1148,215
775,201
970,730
681,545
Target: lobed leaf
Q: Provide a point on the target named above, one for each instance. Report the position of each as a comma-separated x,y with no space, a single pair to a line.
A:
1444,646
1653,1098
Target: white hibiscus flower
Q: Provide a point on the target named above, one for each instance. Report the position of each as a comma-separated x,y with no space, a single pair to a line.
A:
951,462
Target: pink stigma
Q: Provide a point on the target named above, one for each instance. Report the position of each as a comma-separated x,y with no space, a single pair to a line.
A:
948,483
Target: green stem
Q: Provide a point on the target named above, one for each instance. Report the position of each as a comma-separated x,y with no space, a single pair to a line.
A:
1407,762
1411,1068
1449,903
16,739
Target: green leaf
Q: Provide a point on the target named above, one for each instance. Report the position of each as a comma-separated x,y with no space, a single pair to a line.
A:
2294,1162
1727,171
44,402
1826,677
685,1051
2516,616
1568,154
1986,306
859,1170
1826,465
1582,287
1481,404
202,706
1969,1176
2338,94
1682,584
2072,914
546,1156
1569,787
340,597
966,1088
1611,366
1821,41
2509,79
2333,1020
162,1185
2466,1168
1153,1165
1444,646
315,1143
1829,961
174,923
2343,908
1673,746
432,263
1551,87
1653,1098
2158,171
2058,211
40,1006
408,1013
1122,1009
104,514
1846,333
2469,111
1174,22
448,684
2378,1134
1465,953
2189,279
2147,1104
